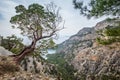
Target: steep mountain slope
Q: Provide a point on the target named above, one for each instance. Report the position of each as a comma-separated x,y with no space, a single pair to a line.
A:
83,39
98,62
91,60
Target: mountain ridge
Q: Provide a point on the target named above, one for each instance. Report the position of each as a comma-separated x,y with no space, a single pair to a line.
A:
85,37
91,60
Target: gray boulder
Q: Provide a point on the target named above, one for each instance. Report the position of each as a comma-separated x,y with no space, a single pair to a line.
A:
4,52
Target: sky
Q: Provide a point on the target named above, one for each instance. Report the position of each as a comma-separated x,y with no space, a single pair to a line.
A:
73,20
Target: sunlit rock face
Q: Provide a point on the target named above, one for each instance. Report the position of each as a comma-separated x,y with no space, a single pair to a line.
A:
98,61
103,24
91,60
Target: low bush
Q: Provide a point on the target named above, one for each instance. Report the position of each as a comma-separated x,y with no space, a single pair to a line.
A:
112,35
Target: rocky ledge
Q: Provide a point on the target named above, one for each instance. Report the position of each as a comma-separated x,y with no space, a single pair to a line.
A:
98,63
10,71
31,68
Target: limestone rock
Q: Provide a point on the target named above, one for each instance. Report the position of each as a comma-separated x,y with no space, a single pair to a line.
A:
4,52
10,71
92,61
101,60
38,65
31,68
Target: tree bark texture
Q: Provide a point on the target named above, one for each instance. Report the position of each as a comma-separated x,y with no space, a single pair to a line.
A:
24,52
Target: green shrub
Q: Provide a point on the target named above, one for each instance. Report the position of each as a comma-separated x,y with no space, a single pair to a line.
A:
12,43
108,77
113,35
65,70
112,31
104,42
110,19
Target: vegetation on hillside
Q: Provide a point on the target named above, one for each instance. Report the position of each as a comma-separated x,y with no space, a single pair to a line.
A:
109,35
12,43
66,71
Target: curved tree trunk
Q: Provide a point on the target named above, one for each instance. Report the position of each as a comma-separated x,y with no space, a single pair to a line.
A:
24,52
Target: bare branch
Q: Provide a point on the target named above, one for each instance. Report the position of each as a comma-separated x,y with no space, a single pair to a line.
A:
34,35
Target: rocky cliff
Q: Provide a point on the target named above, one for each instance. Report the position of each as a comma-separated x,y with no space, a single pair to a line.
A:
31,68
83,39
91,60
98,62
10,71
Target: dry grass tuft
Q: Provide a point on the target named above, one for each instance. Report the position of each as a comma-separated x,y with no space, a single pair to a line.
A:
7,66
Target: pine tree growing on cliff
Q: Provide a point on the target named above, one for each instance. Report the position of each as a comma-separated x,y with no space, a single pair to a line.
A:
97,8
40,24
